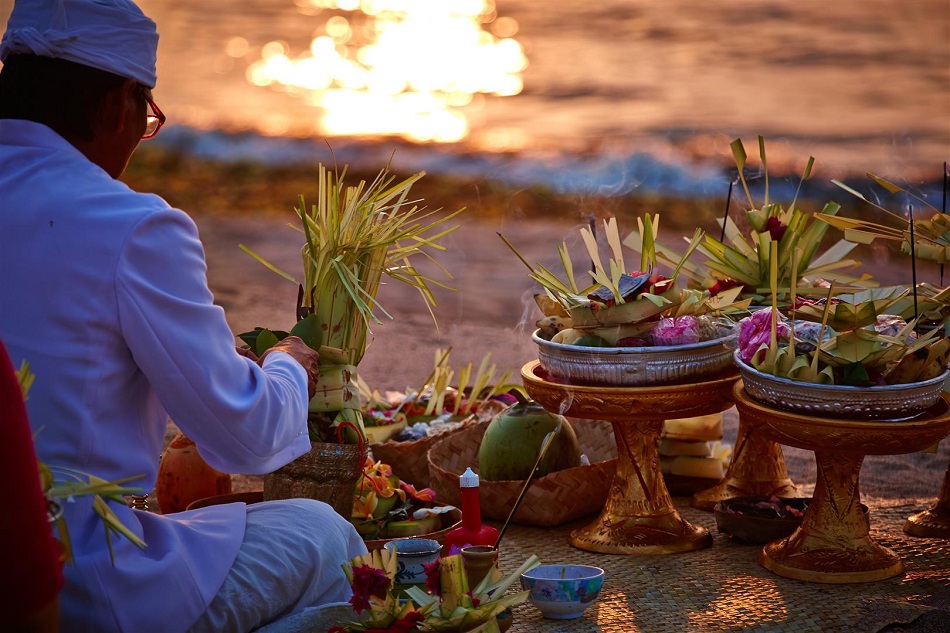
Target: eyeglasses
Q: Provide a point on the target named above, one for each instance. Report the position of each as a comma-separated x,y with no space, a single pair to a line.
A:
154,121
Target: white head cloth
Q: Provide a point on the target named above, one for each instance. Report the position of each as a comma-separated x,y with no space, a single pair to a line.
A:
111,35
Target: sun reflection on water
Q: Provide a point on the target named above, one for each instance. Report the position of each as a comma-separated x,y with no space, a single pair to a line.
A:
408,68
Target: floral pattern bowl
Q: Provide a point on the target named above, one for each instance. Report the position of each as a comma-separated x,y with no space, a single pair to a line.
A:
562,592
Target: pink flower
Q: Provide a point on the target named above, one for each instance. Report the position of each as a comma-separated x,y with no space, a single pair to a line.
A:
676,331
756,330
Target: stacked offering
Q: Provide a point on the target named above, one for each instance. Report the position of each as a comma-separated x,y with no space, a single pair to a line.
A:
630,329
692,456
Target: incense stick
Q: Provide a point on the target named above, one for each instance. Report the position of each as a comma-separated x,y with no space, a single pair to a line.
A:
548,440
943,209
593,232
913,261
725,217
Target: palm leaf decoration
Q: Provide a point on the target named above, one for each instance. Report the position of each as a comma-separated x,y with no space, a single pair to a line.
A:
853,311
353,236
931,236
747,258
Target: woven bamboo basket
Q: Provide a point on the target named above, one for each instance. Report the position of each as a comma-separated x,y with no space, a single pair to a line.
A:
327,473
556,498
408,459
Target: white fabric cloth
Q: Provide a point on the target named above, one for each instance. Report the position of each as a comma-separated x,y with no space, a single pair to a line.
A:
104,292
111,35
284,551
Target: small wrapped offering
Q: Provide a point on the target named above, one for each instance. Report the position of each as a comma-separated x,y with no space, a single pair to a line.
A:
682,330
756,330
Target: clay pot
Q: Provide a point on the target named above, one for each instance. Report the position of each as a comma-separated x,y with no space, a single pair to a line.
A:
478,561
183,477
327,473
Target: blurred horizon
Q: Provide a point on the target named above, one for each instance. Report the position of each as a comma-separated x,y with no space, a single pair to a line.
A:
612,96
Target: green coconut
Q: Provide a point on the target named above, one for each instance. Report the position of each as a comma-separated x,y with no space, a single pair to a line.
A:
513,440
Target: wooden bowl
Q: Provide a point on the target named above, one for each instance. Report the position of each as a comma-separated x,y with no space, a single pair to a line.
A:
750,523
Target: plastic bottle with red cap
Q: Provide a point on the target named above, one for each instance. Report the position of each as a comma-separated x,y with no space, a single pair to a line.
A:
472,532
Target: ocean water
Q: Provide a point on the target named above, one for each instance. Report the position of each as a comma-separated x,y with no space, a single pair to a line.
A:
615,96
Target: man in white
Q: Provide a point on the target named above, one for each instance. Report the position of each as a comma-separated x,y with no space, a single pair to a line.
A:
103,291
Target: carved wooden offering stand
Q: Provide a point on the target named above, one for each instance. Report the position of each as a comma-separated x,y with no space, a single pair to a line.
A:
757,469
934,522
833,543
639,516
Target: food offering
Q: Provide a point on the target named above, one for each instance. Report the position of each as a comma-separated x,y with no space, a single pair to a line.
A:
788,238
843,355
761,519
631,328
446,604
404,425
692,454
386,507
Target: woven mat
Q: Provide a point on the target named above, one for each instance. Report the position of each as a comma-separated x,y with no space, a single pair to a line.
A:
722,588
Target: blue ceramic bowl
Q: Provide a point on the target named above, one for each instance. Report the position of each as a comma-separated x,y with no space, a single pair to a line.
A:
412,555
562,592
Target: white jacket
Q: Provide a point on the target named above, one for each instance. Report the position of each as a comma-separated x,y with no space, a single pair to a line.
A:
103,291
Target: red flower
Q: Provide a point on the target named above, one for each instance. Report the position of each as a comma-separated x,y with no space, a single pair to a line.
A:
368,581
360,602
433,584
722,284
776,228
407,623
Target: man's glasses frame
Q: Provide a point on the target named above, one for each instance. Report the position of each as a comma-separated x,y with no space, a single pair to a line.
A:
154,121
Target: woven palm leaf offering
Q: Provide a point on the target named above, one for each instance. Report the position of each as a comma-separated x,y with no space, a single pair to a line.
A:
447,603
629,328
403,425
925,239
353,236
386,506
744,260
843,356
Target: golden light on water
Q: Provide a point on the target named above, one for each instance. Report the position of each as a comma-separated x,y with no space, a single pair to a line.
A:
409,68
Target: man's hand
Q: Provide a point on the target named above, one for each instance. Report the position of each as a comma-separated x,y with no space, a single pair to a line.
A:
246,352
303,354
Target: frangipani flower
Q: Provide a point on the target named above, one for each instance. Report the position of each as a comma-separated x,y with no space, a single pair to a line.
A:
426,494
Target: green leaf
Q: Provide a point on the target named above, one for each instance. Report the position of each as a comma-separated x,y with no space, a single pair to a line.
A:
885,183
309,330
738,152
265,340
855,374
266,263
